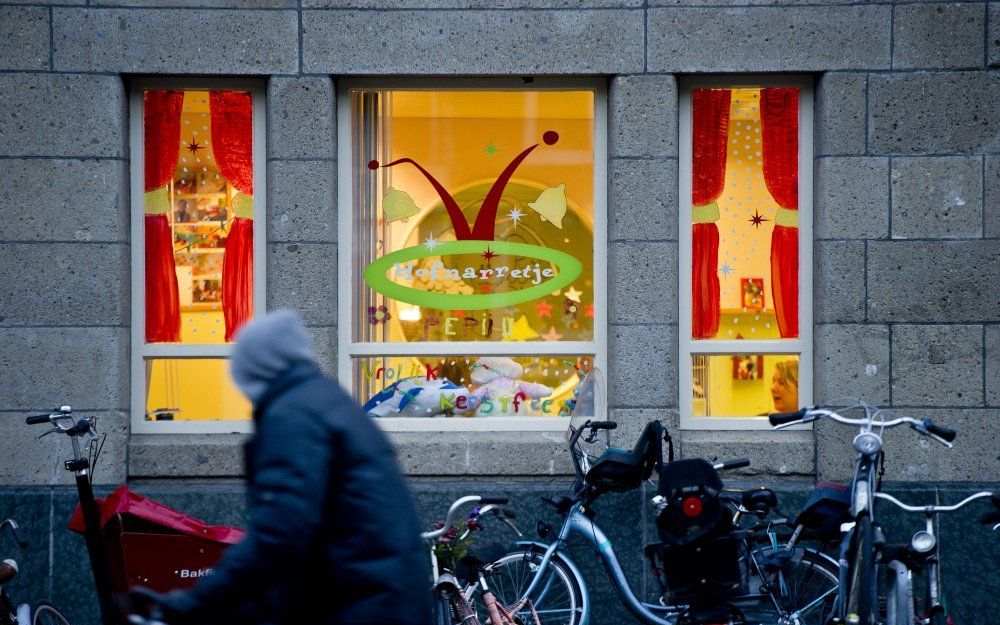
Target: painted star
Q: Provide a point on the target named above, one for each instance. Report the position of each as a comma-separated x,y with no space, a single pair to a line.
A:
573,294
488,255
491,149
194,146
757,219
551,335
544,308
431,242
725,270
515,215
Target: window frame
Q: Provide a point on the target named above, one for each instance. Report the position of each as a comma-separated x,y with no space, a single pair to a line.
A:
140,350
802,346
347,348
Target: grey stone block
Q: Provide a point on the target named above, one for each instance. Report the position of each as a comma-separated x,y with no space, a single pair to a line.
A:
947,35
302,201
922,112
643,116
300,118
851,361
186,455
768,39
937,365
993,34
950,281
910,457
737,3
852,197
62,115
470,4
453,42
642,281
642,199
44,368
840,113
149,40
324,340
64,284
991,203
992,351
303,276
771,453
482,453
632,421
24,32
64,200
839,274
937,197
642,366
33,461
206,4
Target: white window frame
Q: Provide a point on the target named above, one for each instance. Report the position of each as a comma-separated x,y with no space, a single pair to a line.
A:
802,345
141,351
348,348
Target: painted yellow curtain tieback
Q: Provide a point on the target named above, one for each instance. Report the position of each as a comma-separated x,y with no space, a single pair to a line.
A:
707,214
786,217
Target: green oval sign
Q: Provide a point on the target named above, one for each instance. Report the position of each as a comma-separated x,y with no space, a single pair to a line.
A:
375,275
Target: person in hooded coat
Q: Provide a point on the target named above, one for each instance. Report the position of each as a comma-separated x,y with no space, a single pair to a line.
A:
333,536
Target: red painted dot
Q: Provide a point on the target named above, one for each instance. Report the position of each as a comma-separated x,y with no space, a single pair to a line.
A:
372,165
550,137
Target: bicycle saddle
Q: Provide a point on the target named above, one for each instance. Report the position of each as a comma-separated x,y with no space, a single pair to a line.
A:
620,470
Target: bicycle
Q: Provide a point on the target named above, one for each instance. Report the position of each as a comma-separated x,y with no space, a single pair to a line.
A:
454,583
783,579
42,612
922,554
857,602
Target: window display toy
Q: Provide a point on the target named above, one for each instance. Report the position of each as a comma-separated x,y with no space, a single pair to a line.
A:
500,390
418,397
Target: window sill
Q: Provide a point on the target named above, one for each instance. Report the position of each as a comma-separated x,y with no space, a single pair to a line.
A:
185,455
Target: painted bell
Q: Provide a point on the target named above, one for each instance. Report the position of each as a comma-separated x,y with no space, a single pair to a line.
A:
551,205
398,206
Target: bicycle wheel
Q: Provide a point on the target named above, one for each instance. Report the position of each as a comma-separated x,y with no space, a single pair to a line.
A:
861,600
796,586
46,614
557,600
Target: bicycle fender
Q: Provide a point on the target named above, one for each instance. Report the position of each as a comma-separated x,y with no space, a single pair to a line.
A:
571,566
24,614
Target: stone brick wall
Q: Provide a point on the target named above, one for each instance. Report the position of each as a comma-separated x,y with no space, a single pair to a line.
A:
907,211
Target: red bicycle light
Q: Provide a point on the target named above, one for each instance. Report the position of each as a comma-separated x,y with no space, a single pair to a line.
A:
692,507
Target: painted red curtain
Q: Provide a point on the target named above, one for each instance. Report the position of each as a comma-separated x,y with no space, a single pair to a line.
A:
232,146
163,313
161,118
162,130
779,117
232,137
710,130
237,276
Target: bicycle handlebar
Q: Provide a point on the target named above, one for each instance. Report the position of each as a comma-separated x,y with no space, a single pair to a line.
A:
737,463
943,435
453,512
37,418
933,509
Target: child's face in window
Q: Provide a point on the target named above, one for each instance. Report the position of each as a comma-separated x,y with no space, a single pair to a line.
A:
784,393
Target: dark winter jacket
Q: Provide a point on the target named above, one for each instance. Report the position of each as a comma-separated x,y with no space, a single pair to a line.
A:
333,535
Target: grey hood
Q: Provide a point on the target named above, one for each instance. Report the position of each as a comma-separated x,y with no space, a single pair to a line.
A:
266,348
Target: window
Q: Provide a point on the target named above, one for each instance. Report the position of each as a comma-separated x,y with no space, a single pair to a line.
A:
746,250
472,240
197,193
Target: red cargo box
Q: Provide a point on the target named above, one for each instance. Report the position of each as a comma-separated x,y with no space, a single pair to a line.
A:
154,546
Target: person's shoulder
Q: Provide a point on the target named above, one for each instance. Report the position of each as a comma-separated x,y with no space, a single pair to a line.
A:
316,394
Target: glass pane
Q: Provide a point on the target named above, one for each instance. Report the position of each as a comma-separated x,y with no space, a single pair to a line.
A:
198,214
744,385
473,216
469,386
193,389
744,210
